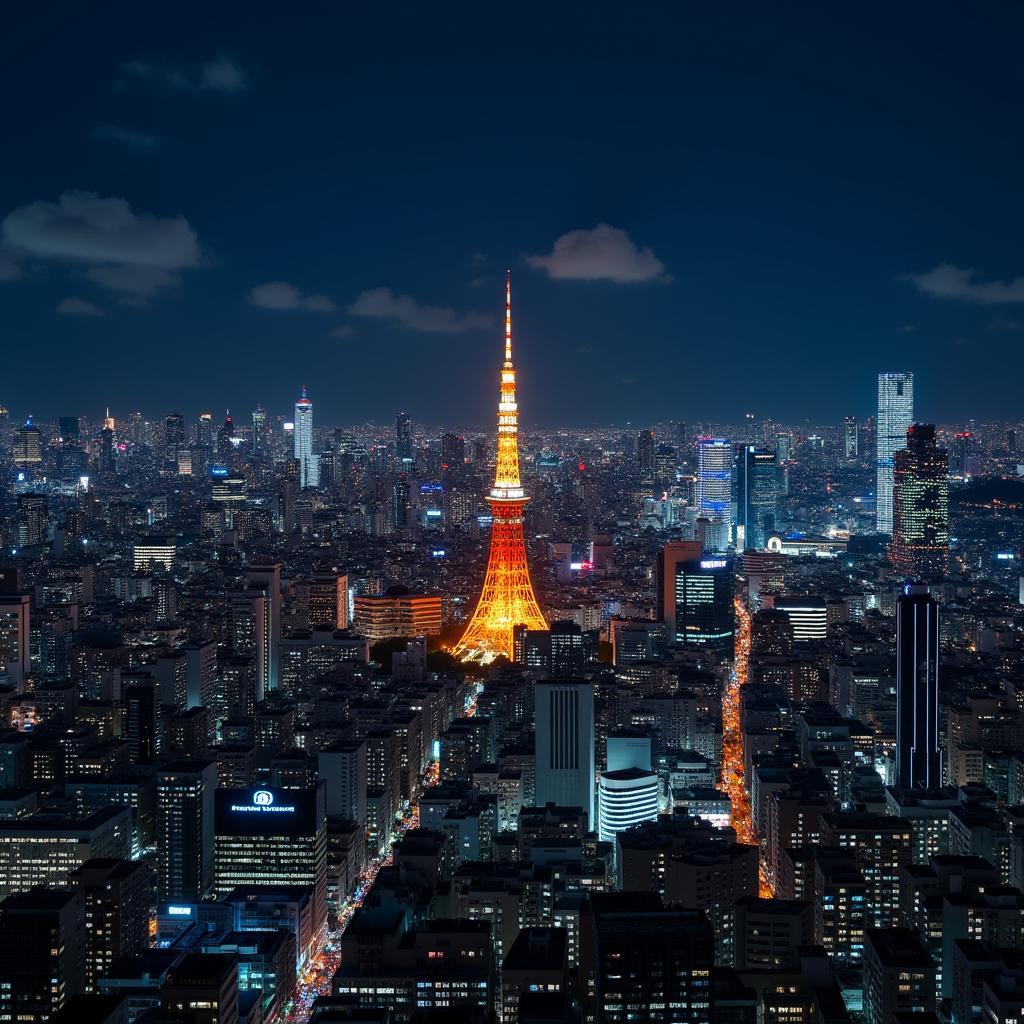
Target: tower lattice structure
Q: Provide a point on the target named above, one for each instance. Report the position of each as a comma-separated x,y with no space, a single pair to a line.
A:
507,599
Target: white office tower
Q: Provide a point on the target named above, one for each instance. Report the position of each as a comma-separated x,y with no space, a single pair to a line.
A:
895,416
627,798
564,723
309,464
714,490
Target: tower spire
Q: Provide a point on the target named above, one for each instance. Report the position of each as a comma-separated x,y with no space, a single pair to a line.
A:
508,318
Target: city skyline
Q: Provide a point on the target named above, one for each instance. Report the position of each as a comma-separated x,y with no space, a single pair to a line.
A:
688,239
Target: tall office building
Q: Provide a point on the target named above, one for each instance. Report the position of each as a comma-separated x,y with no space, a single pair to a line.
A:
851,448
28,445
259,429
757,490
174,436
42,953
652,965
895,415
403,441
184,829
669,558
272,838
401,503
70,429
564,728
920,507
704,612
714,488
309,464
15,647
453,453
645,456
266,577
116,896
918,757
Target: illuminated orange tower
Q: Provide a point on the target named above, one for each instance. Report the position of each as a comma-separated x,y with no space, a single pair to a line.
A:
507,599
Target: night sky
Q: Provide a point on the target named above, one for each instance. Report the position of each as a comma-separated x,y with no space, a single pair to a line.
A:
704,214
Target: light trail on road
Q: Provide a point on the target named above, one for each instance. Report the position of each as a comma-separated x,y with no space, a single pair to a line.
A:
316,976
733,774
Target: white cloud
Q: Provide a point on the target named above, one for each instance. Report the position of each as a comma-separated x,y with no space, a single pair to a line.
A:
343,331
125,251
281,295
126,137
221,75
78,307
950,282
405,311
602,253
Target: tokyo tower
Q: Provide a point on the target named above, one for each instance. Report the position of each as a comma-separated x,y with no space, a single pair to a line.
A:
507,599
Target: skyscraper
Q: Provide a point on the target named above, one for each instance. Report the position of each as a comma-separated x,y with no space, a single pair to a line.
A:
704,612
757,487
309,464
918,758
669,558
714,486
507,599
850,446
645,455
895,415
564,725
920,528
259,429
403,441
184,829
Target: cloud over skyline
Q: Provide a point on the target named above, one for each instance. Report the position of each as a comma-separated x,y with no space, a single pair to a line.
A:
125,251
284,296
602,253
73,306
947,281
405,311
220,75
126,137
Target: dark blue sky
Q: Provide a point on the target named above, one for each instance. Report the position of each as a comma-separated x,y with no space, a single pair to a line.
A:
791,202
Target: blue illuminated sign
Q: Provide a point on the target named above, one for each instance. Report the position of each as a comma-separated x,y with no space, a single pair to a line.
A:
179,911
219,471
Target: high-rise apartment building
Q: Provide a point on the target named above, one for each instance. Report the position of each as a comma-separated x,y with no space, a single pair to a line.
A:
920,508
564,725
309,464
918,756
895,415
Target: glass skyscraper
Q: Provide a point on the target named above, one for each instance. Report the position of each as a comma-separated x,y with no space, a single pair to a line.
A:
714,480
895,415
757,488
920,535
309,464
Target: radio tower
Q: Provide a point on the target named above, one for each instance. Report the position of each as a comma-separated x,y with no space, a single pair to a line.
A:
507,599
